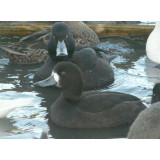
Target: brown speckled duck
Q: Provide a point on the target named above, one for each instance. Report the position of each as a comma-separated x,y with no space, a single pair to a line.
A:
33,48
82,34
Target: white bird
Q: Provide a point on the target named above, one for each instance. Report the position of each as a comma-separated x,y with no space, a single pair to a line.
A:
153,44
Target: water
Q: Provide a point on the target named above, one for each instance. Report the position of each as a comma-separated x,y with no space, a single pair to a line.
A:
23,106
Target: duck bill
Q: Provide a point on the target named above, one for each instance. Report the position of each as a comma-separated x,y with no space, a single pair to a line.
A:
61,49
50,81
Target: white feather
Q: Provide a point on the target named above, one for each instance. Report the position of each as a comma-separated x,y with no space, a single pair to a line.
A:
153,44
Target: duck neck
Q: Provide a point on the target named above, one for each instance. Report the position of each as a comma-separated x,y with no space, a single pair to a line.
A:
73,94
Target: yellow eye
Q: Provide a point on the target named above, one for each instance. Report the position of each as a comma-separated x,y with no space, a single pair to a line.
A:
54,37
67,36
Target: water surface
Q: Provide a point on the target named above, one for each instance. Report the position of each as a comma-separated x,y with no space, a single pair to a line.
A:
23,109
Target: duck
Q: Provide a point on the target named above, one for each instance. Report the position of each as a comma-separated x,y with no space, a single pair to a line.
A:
92,61
96,71
82,34
61,44
77,109
32,49
153,44
146,125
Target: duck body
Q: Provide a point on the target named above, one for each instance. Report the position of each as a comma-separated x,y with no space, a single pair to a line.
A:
75,109
99,110
82,34
147,124
96,70
29,50
153,44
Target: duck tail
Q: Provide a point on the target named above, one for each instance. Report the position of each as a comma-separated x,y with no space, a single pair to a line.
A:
109,58
11,51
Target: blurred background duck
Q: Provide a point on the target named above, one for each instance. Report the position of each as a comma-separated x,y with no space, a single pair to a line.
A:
33,48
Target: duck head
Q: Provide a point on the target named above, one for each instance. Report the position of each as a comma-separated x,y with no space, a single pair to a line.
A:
156,93
61,44
66,75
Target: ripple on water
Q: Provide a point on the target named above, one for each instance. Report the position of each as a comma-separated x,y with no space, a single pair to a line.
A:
23,107
24,111
6,86
10,100
29,118
133,80
3,62
117,48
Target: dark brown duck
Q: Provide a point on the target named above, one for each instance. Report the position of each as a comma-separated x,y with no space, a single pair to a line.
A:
75,109
94,66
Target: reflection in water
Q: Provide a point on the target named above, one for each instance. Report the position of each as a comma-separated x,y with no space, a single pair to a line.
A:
9,103
27,116
6,126
153,74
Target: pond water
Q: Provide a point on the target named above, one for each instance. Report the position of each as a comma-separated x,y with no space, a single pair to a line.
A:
23,106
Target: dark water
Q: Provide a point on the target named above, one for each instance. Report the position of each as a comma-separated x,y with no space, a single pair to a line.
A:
23,106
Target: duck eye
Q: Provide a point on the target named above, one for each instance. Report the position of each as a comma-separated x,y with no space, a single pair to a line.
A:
63,73
54,37
67,36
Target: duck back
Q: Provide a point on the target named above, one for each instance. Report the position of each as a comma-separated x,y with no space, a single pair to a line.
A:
96,110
